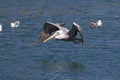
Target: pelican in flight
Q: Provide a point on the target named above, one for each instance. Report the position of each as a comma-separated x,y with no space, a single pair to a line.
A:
15,24
59,32
95,24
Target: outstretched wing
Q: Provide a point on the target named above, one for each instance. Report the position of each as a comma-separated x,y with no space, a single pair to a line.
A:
47,30
74,30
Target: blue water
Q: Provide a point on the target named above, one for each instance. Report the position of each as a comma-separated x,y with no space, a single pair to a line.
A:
23,58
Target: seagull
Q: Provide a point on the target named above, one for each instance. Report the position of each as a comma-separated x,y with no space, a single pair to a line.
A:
95,24
15,24
0,27
59,32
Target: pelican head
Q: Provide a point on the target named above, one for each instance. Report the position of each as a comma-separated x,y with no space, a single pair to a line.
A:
53,36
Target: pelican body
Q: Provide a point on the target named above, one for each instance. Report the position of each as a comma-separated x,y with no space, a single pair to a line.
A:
59,32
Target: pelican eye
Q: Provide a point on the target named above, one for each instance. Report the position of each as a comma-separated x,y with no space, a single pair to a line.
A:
57,32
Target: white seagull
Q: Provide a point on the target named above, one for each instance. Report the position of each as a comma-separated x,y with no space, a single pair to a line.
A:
15,24
95,24
0,27
59,32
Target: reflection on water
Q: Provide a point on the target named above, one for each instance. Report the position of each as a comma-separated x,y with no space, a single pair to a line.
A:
62,66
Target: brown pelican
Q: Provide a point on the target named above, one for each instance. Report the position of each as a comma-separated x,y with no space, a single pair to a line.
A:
15,24
95,24
60,32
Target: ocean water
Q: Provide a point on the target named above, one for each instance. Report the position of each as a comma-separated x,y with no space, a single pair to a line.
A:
23,58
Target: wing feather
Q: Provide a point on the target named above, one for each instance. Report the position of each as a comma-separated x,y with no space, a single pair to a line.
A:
74,30
47,30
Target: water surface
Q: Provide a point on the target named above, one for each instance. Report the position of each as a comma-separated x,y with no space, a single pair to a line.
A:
22,58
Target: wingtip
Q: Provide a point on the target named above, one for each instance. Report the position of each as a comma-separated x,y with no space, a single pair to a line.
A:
78,26
75,24
48,22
